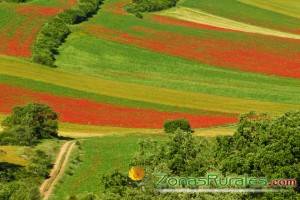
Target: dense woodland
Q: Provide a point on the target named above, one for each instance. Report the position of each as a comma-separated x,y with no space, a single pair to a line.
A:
260,147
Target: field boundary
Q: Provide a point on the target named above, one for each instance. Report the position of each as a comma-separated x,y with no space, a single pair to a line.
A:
58,169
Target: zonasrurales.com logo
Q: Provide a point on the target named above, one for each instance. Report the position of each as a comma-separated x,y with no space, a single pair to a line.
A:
212,182
217,183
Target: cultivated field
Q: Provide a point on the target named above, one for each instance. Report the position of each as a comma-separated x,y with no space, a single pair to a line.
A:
117,78
242,11
181,68
287,7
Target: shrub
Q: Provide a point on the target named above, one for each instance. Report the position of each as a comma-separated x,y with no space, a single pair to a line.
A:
138,6
18,136
172,126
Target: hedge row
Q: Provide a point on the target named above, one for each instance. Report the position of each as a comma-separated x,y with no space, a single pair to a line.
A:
54,33
139,6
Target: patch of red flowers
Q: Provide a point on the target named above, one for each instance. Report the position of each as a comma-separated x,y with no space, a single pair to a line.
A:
117,8
17,39
33,10
19,43
83,111
237,54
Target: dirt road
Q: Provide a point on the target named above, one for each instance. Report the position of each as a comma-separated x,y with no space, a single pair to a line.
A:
57,170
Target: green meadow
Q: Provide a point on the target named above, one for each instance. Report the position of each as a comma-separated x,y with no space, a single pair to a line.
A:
234,9
99,156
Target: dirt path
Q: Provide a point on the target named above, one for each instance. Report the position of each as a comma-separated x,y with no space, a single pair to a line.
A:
198,16
58,169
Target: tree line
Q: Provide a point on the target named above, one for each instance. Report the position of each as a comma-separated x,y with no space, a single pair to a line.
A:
54,33
261,146
139,6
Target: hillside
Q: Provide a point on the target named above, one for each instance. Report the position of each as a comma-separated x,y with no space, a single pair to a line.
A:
164,66
149,99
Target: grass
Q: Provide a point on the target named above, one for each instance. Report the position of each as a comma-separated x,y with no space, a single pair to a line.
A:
111,60
238,11
52,3
80,131
19,155
13,154
198,16
286,7
107,72
69,92
137,92
99,157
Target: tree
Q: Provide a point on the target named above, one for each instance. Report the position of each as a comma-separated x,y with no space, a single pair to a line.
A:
37,119
263,147
173,125
138,6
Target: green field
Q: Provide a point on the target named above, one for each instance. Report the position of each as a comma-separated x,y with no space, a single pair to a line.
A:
286,7
99,157
97,68
113,61
204,59
234,9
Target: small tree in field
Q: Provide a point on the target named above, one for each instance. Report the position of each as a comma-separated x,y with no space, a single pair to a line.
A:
40,119
173,125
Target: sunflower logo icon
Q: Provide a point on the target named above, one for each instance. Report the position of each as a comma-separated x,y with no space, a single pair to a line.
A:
136,173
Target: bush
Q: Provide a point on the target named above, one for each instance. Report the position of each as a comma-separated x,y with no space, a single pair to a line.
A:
40,165
172,126
55,32
138,6
18,136
28,124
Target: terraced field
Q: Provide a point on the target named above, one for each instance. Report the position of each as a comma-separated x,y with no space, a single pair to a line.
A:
137,73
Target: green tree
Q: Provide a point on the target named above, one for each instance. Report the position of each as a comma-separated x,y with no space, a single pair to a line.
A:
263,146
172,125
32,121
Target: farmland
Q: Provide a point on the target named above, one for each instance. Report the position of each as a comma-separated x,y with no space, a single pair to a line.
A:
204,83
244,11
104,80
20,24
115,154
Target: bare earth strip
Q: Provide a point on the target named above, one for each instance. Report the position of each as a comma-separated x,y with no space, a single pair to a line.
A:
286,7
58,169
198,16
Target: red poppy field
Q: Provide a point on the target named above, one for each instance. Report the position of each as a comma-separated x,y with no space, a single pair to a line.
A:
188,42
253,56
18,35
81,111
